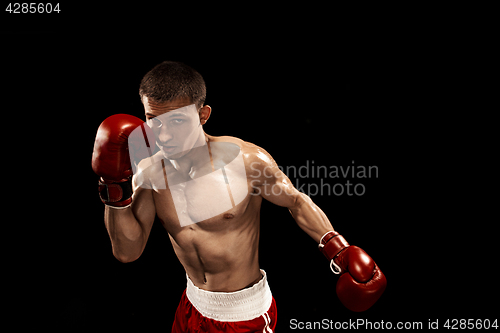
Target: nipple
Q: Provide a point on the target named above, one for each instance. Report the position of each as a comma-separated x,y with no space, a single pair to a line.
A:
228,216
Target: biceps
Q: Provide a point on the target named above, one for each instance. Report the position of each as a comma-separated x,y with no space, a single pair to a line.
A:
279,191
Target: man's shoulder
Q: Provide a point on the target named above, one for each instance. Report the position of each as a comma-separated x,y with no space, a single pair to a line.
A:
149,163
251,151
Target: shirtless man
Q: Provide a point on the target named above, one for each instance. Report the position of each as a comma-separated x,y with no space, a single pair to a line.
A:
207,192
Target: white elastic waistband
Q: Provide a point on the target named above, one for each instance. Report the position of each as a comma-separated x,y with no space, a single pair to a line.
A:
241,305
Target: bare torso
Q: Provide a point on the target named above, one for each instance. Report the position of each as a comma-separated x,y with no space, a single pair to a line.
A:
218,251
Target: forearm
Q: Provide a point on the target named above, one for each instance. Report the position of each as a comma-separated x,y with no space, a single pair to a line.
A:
125,232
310,217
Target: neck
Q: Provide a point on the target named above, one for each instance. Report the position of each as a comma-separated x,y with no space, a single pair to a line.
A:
199,154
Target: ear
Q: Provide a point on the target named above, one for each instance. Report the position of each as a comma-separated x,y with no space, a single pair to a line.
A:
205,112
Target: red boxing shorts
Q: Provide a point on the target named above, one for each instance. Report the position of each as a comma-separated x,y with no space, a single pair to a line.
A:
251,309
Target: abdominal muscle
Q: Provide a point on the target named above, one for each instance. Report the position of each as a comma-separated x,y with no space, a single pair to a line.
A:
220,254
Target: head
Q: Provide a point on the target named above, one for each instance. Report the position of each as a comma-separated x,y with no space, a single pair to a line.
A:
173,96
173,80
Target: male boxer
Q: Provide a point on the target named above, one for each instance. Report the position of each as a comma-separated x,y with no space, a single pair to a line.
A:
207,192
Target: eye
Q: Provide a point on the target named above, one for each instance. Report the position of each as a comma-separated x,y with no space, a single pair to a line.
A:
155,122
177,121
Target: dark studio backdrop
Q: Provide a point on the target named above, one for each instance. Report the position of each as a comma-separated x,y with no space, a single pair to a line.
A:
309,101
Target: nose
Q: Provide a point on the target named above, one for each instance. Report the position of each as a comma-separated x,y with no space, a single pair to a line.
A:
165,135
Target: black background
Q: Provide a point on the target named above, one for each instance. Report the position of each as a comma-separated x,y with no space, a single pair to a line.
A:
383,93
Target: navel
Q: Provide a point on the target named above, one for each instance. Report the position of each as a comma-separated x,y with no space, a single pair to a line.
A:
228,216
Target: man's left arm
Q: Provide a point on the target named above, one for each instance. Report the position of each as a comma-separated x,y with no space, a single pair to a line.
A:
274,186
361,281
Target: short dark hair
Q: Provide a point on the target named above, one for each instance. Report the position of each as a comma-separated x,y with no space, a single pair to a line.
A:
171,80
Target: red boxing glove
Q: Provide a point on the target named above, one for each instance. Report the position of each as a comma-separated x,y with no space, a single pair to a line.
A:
112,157
361,282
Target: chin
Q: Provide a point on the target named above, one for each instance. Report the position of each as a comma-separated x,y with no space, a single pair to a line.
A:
174,155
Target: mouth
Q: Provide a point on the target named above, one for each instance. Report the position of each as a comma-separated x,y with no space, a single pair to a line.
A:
168,149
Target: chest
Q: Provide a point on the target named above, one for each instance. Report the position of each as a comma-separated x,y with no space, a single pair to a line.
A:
212,197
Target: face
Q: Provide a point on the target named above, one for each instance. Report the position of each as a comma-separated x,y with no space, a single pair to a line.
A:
176,125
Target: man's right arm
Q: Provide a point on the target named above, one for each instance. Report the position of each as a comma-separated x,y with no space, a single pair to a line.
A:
129,228
130,210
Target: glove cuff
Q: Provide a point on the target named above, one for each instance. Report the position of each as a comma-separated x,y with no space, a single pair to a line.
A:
331,244
116,194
